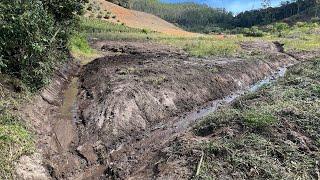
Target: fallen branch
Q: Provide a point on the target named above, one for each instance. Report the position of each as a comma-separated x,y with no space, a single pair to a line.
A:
200,164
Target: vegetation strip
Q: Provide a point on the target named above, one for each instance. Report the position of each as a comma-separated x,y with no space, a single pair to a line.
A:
272,133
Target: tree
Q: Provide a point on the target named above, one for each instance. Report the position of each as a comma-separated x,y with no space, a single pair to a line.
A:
266,3
34,35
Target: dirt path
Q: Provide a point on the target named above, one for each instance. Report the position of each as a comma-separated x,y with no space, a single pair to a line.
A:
132,102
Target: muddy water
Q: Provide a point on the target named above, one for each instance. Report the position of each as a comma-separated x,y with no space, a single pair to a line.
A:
214,105
67,109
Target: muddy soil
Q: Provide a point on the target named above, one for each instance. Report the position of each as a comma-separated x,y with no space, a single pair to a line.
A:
44,117
132,103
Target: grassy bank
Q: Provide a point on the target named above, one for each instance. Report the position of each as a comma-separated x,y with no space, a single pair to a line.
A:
301,37
15,139
270,134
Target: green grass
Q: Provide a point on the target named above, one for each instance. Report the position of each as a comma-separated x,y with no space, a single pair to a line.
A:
206,45
258,119
79,45
15,139
298,38
201,46
261,133
93,26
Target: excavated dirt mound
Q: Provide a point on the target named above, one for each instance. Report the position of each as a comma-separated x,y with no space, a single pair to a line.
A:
129,104
133,104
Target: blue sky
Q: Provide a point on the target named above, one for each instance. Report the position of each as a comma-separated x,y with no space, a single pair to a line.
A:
235,6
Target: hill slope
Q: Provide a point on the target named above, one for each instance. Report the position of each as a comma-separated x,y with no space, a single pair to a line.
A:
142,20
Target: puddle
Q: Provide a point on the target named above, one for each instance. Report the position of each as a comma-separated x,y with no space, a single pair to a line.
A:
70,94
68,110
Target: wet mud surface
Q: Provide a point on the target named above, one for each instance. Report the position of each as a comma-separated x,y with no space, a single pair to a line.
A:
123,110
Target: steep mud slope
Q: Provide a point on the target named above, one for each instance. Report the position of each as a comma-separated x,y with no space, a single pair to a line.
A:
142,20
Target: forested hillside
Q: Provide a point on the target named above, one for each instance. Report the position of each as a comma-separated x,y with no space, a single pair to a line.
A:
288,11
190,16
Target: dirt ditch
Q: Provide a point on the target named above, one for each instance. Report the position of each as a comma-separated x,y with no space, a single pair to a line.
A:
130,104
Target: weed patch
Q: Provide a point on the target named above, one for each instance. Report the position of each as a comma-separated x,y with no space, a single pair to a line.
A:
258,119
15,139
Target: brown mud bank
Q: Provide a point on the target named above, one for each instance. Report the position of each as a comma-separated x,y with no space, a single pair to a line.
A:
43,117
132,103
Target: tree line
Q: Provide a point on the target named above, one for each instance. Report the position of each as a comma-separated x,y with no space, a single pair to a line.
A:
306,8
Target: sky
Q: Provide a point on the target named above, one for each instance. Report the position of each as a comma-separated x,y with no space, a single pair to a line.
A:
235,6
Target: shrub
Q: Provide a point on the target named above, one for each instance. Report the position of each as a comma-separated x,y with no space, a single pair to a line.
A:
280,27
107,16
253,31
145,31
33,36
99,16
301,24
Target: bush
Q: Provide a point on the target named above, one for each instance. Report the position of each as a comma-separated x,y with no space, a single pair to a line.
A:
280,27
33,36
253,31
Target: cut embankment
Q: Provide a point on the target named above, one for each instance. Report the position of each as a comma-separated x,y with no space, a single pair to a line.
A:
53,130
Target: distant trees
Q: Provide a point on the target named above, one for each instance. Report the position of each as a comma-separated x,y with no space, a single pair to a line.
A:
266,3
270,15
124,3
